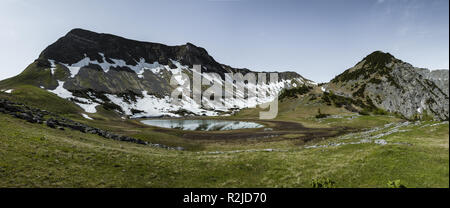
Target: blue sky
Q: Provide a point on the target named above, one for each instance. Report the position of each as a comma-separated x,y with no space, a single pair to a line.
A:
318,39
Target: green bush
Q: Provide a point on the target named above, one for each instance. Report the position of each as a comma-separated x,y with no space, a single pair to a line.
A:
379,111
364,112
292,93
321,115
338,101
395,184
323,183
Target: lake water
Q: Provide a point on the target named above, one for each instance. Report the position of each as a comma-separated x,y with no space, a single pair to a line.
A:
202,125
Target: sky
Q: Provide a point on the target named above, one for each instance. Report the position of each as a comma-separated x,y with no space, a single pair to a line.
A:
318,39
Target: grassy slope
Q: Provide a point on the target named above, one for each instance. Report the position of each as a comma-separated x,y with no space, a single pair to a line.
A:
35,156
32,75
40,98
304,110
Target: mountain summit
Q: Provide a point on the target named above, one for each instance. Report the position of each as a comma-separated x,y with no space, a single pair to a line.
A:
378,58
79,43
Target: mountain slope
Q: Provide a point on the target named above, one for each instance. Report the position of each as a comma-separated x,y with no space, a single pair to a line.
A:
382,81
131,77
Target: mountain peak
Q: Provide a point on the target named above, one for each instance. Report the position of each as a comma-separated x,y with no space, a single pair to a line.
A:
379,58
190,44
80,43
79,31
83,35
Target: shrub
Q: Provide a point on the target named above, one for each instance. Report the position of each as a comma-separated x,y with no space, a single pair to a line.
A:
292,93
321,115
364,112
426,116
338,101
360,91
395,184
323,183
379,111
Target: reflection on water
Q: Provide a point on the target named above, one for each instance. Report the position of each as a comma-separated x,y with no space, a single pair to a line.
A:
203,125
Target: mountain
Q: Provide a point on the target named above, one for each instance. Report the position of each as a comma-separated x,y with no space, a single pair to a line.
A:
382,81
130,77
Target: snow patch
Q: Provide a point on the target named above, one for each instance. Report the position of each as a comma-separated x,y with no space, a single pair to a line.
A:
139,68
61,91
89,107
86,104
152,106
52,66
86,116
8,91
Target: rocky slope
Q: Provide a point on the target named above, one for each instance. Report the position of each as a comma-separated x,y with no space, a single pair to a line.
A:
382,81
132,77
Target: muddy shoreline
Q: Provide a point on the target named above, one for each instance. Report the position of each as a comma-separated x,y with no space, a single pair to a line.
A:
273,131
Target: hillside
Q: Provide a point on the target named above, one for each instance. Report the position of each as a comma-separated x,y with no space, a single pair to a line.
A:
382,81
